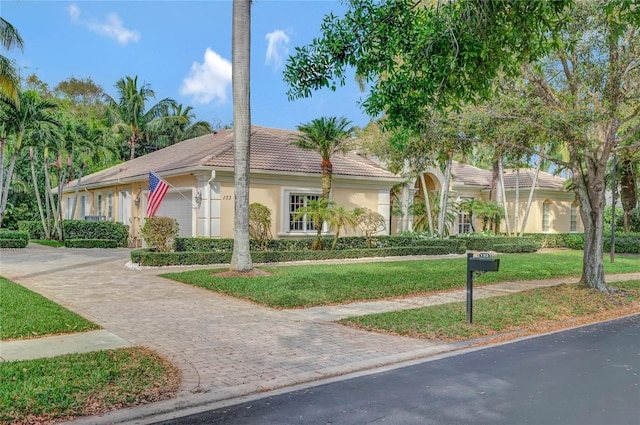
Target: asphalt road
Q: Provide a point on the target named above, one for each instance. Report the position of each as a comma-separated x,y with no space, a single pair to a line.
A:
589,375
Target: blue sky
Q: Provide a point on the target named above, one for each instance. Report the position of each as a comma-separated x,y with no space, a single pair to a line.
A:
182,49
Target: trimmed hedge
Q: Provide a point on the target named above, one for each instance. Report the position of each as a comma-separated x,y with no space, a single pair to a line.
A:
146,257
13,239
82,229
349,242
32,228
516,248
91,243
496,243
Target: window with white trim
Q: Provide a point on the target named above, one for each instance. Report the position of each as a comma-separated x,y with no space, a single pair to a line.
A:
68,206
83,206
465,218
99,204
574,217
109,206
546,216
302,224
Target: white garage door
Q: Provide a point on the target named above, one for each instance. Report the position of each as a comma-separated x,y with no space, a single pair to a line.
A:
175,205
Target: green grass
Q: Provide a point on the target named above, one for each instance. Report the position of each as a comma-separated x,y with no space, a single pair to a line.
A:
25,314
44,390
499,314
323,284
55,244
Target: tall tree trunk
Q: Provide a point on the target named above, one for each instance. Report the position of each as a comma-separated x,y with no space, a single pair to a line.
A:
503,197
444,196
327,173
531,193
45,226
628,195
427,203
516,207
241,54
77,193
4,190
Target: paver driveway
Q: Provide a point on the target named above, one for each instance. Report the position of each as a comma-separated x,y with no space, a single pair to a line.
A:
221,344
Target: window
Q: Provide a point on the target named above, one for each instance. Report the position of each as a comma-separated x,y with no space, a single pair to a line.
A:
546,216
83,207
465,220
109,206
68,206
124,206
302,224
99,209
574,217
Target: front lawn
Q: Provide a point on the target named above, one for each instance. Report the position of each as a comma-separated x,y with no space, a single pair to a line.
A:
26,314
529,312
64,387
323,284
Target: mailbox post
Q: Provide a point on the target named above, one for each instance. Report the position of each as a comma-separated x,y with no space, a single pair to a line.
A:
481,264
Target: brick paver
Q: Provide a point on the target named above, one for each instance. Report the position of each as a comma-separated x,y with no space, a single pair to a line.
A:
221,344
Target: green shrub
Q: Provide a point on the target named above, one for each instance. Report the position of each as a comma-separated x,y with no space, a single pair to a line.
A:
147,257
490,243
14,234
13,239
33,228
82,229
625,243
260,224
91,243
160,232
13,243
516,248
305,244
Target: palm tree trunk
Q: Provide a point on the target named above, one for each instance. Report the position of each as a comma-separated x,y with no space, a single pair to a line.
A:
7,185
531,193
427,203
241,65
444,196
45,227
503,196
75,197
516,207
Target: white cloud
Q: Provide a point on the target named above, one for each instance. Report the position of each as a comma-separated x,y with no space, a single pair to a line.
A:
277,48
112,28
209,80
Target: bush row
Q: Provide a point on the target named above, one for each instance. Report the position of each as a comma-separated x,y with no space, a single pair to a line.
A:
147,257
350,242
13,239
495,243
82,229
91,243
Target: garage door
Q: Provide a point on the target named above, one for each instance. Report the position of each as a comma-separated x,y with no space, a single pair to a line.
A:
175,205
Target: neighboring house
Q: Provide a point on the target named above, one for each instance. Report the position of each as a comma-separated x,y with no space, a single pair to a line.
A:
200,172
553,209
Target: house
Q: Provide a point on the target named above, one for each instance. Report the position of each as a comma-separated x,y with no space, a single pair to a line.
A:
554,209
200,173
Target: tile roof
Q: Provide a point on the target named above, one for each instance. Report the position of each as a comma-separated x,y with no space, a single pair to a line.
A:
271,150
473,176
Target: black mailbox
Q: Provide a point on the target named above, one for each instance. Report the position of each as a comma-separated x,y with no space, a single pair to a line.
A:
483,264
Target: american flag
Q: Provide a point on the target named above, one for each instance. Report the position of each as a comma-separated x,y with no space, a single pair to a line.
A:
157,189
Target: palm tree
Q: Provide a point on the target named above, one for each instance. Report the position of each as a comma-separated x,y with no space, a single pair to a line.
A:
129,117
9,81
316,211
183,127
326,136
241,66
341,218
19,120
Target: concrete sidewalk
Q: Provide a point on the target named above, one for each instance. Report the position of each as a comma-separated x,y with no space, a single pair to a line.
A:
224,347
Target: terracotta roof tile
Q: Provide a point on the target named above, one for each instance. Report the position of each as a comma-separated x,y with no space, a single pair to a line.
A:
271,150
